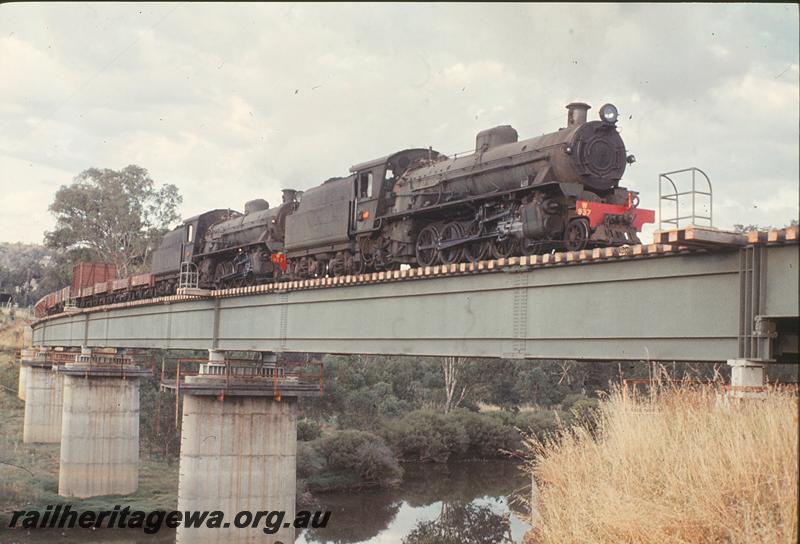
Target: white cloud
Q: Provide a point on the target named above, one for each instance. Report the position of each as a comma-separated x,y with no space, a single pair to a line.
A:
233,102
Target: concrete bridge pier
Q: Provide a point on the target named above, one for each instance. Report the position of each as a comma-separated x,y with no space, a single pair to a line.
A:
238,450
43,399
100,426
747,378
26,354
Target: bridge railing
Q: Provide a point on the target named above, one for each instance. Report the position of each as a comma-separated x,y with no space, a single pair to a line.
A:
280,377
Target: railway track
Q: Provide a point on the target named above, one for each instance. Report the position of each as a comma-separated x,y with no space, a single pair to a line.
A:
683,241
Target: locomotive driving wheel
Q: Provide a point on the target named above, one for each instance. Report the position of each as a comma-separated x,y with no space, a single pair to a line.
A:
451,231
351,264
382,253
336,266
426,246
477,250
301,268
502,249
577,234
357,265
366,253
223,269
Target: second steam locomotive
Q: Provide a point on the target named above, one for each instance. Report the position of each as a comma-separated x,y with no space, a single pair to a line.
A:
417,207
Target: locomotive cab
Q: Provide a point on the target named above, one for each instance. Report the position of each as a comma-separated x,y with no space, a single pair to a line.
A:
183,242
374,184
365,195
190,239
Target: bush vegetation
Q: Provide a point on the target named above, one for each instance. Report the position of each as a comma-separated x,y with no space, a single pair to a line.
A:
347,458
308,429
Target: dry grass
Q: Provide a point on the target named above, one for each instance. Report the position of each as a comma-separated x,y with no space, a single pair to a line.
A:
12,334
674,466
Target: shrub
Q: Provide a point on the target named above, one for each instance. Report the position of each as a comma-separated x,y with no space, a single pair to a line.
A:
363,453
487,435
540,422
377,463
570,400
339,448
308,429
424,435
364,407
309,460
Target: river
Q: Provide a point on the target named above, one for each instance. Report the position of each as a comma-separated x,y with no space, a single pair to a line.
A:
464,502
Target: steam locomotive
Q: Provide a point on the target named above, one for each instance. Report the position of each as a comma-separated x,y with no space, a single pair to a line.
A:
416,207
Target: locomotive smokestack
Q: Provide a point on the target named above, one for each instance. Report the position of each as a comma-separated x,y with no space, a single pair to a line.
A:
576,113
289,195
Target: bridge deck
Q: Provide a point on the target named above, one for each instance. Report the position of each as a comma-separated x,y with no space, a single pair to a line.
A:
657,304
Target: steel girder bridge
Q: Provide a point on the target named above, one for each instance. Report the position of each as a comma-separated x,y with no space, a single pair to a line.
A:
700,298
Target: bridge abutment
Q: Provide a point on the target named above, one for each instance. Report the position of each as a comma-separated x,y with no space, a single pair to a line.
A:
100,426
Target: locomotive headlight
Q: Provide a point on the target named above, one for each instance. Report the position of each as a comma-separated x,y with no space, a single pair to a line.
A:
609,113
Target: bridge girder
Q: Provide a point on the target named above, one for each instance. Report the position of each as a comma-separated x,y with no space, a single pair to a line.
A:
672,307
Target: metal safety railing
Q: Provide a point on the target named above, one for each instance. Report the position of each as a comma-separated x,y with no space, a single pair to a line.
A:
56,357
700,187
276,378
95,365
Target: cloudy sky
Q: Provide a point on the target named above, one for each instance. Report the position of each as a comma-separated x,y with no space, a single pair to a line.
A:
233,102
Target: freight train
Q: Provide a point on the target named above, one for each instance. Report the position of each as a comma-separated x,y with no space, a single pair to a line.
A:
414,207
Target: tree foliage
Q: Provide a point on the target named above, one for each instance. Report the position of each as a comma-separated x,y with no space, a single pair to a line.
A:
117,215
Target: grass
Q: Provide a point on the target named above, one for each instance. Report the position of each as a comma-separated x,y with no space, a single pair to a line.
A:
13,334
675,466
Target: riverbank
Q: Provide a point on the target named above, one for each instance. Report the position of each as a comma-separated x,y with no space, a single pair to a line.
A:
677,466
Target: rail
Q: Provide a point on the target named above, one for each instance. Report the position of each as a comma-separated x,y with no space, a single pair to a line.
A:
602,304
564,258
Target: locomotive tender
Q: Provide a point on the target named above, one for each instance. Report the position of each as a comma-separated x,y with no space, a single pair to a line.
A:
417,207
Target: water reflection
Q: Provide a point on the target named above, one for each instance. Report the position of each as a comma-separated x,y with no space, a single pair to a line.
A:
457,503
462,523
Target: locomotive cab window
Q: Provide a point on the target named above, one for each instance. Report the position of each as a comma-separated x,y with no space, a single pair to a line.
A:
364,185
189,233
